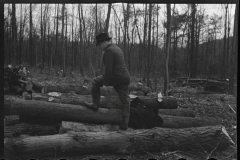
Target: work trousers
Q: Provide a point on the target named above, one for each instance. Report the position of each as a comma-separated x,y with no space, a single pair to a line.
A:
122,91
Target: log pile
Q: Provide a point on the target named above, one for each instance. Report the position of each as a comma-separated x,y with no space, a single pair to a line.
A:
219,86
61,124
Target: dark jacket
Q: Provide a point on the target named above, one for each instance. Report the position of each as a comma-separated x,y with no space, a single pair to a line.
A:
115,69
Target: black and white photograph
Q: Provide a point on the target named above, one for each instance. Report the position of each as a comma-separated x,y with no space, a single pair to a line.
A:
120,80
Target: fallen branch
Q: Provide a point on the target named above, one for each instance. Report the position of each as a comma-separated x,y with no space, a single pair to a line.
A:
231,109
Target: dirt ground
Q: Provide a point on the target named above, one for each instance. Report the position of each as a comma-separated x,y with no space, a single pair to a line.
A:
222,106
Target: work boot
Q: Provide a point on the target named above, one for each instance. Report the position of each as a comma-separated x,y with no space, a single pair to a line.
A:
124,124
125,117
92,106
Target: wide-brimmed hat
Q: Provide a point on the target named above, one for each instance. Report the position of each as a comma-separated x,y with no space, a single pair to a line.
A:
102,37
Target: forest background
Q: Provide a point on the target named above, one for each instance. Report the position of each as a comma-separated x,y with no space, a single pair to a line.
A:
62,37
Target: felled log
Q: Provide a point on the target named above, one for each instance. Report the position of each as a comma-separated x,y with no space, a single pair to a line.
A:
11,120
66,112
86,90
30,129
78,89
188,122
216,86
136,141
86,127
62,111
181,112
207,84
139,87
110,102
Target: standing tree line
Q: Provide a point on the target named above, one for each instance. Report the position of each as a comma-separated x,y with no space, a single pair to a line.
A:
186,41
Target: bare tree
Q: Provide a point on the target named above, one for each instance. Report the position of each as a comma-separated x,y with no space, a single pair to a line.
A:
63,53
168,44
140,41
149,44
56,46
125,34
81,39
107,19
192,54
66,44
14,31
234,53
73,57
30,37
223,70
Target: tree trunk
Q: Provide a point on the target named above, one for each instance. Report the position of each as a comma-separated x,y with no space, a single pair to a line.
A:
56,49
223,70
81,39
30,129
108,17
138,141
234,53
9,51
41,46
62,47
45,112
125,33
192,54
72,65
14,33
65,65
228,47
149,45
19,57
168,45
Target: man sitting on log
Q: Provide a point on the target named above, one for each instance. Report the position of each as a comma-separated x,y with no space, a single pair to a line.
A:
15,79
116,75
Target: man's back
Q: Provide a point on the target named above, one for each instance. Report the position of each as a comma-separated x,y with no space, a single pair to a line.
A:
113,56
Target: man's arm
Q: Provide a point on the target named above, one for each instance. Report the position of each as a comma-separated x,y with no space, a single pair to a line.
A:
108,60
101,71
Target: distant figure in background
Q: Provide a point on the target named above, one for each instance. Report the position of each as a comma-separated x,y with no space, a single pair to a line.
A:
116,75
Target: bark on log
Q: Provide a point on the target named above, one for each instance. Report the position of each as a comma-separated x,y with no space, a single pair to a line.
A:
78,89
62,112
137,141
110,102
86,127
11,120
65,112
188,122
86,90
30,129
177,112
